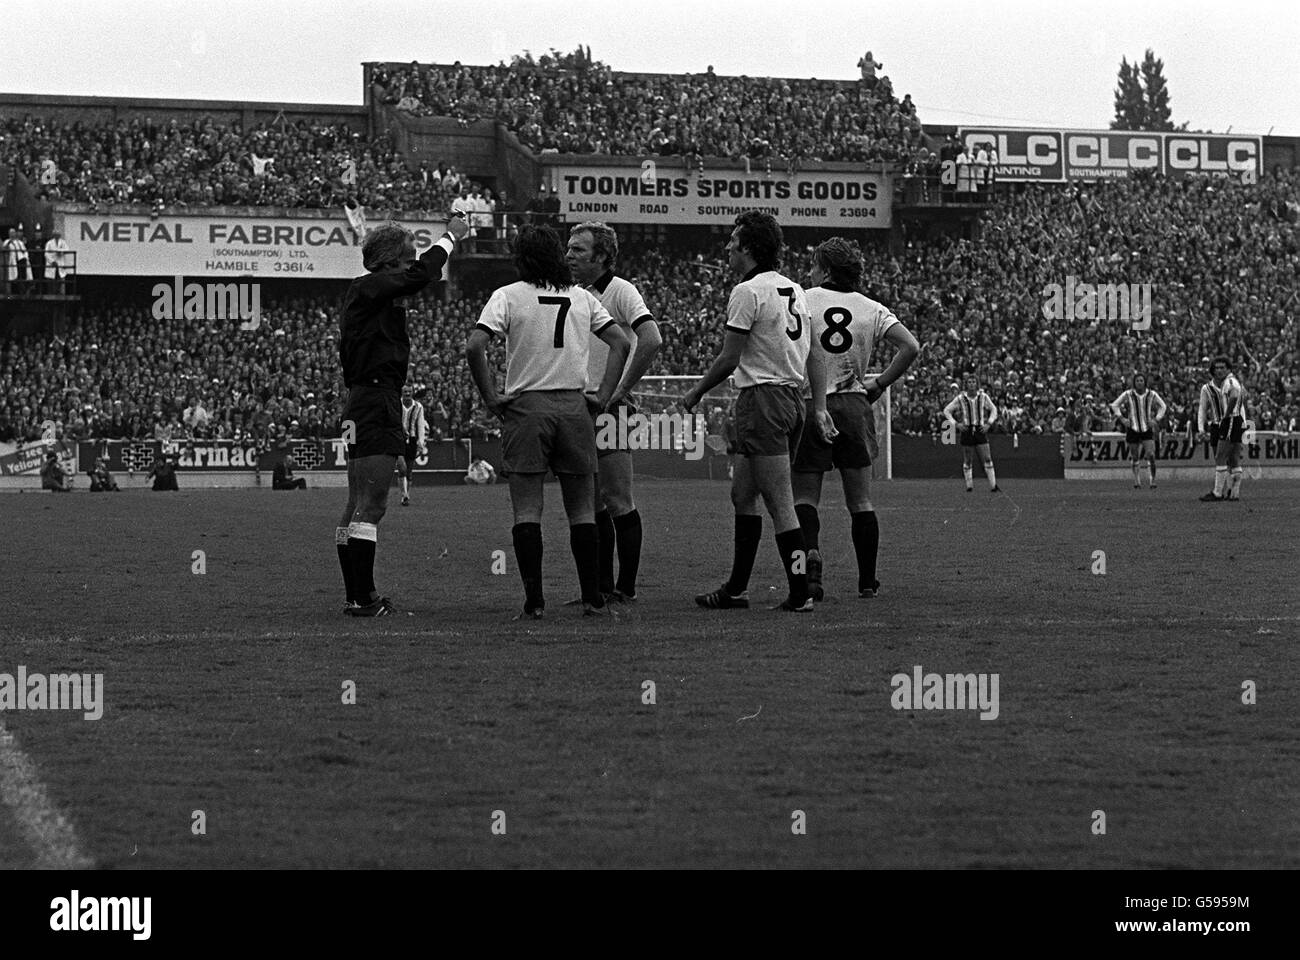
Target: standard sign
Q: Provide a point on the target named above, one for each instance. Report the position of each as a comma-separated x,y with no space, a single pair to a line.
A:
645,195
133,245
1056,155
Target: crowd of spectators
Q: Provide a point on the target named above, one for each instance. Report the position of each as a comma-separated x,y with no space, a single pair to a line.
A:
573,104
203,163
120,374
1222,258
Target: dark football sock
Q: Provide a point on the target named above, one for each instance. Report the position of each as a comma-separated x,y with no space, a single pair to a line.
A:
528,554
811,524
749,533
361,558
629,551
866,543
789,544
585,544
605,528
341,545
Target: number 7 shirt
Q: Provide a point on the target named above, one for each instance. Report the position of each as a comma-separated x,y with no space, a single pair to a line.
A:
772,311
547,332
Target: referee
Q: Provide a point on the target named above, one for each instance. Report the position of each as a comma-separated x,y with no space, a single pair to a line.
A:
374,350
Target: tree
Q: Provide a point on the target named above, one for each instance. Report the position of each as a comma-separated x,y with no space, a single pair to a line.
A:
1130,103
1157,93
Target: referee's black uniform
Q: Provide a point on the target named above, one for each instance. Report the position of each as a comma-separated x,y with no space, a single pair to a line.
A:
374,349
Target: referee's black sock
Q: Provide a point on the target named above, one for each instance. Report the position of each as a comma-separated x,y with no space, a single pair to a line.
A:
585,544
341,545
528,554
362,538
749,533
629,551
811,524
788,544
866,544
605,530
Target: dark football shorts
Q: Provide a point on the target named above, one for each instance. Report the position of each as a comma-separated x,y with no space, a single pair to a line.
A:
851,449
766,421
973,437
1233,428
376,415
548,430
619,447
1138,436
411,451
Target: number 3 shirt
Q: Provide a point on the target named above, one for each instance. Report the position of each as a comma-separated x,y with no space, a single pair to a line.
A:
548,334
773,311
848,325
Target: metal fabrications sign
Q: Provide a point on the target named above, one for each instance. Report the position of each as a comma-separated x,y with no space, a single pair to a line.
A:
219,246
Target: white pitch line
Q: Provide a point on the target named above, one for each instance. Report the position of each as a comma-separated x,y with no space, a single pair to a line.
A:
46,830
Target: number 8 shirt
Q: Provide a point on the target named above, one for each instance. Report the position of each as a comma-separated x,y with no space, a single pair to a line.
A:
773,311
548,334
848,325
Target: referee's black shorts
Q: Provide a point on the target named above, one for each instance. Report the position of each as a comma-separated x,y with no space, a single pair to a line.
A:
375,415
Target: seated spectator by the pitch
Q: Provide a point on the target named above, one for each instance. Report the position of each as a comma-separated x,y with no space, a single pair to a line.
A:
53,476
480,473
282,477
163,472
101,481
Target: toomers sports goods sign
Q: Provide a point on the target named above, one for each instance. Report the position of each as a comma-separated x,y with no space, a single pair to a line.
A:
645,194
1057,155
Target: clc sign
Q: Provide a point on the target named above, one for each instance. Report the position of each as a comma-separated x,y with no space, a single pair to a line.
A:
1058,155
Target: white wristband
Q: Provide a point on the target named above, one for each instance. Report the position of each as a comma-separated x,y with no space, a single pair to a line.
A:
449,245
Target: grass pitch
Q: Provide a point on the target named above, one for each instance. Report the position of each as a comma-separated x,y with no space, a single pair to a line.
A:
1119,692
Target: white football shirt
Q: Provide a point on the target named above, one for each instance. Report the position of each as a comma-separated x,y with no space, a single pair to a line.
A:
548,334
773,311
848,325
623,302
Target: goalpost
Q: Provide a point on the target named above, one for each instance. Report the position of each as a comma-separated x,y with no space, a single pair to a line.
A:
659,394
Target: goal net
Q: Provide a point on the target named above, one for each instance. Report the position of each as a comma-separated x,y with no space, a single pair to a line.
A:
663,394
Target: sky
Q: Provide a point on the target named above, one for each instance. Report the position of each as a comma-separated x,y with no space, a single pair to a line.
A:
1019,63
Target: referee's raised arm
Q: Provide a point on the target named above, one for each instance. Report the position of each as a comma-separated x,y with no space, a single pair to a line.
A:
416,274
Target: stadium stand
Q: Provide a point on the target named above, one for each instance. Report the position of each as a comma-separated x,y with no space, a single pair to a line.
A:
204,163
1222,255
571,104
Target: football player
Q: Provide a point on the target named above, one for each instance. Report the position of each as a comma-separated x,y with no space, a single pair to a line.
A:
1223,410
769,346
847,325
975,411
415,429
1140,411
547,323
591,254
